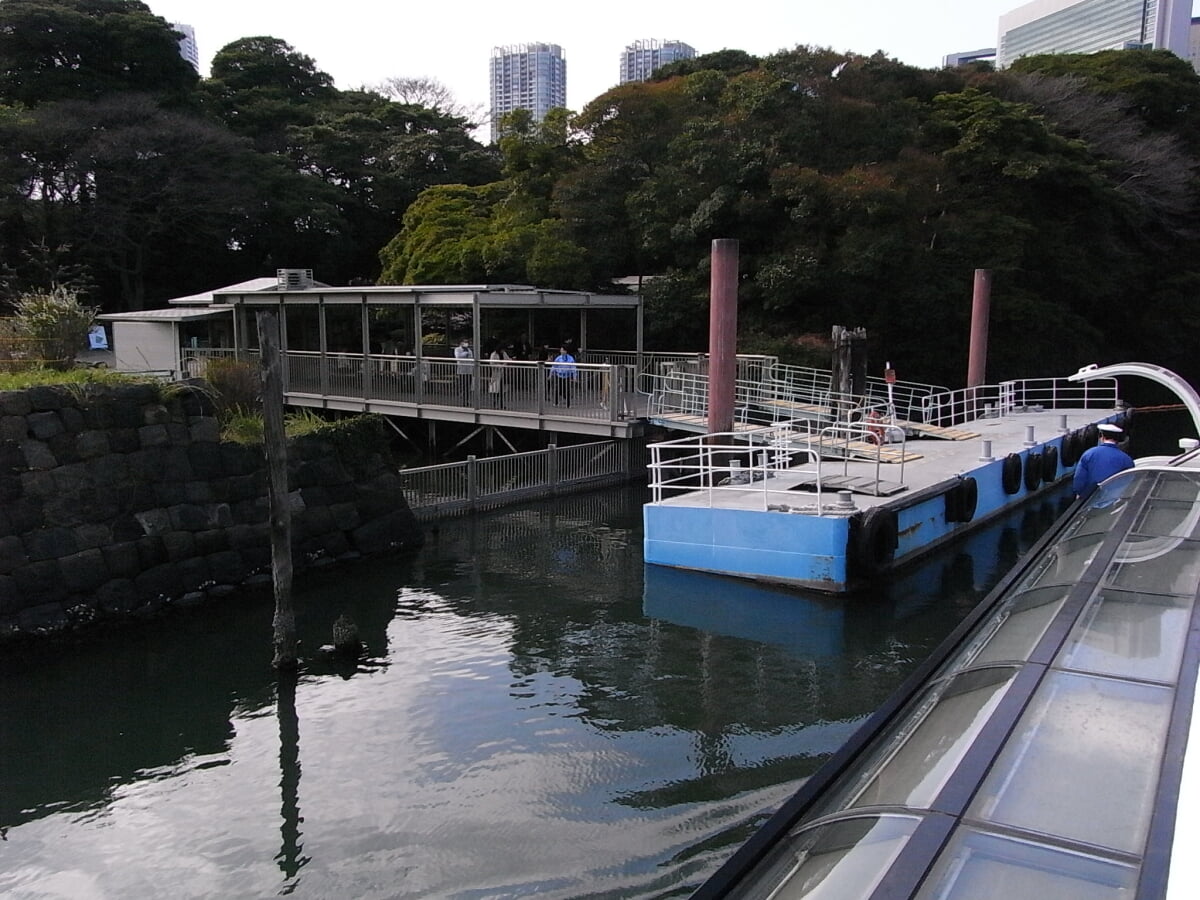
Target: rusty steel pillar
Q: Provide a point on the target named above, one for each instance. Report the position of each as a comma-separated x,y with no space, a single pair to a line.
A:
722,334
981,302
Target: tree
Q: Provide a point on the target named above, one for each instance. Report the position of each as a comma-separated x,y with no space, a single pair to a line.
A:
429,93
52,50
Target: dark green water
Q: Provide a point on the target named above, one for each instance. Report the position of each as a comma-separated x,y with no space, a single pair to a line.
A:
538,714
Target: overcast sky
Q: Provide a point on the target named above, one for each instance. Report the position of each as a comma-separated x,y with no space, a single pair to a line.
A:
365,41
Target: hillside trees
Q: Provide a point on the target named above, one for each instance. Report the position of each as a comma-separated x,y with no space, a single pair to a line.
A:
119,166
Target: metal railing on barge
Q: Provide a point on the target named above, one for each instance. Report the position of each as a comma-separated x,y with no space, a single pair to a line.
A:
753,465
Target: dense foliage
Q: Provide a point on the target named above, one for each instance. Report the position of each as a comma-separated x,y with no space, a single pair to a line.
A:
124,175
863,192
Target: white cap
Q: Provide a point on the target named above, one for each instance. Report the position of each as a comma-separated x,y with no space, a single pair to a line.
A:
1110,428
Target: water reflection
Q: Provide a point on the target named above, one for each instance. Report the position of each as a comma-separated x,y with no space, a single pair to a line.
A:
536,712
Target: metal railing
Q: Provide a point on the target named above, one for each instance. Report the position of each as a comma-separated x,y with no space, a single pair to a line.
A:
486,483
591,391
755,462
997,400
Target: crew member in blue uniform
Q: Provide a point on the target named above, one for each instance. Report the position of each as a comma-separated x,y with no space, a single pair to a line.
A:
1102,461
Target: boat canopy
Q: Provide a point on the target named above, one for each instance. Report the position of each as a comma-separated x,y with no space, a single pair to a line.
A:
1040,752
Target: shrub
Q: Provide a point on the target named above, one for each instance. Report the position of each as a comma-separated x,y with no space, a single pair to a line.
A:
57,320
237,385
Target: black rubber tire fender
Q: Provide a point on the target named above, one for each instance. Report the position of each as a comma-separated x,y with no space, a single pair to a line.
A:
878,538
1033,471
1050,464
1072,448
1010,473
968,499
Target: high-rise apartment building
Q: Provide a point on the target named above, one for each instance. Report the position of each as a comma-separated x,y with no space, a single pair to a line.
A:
1085,26
187,44
642,57
527,76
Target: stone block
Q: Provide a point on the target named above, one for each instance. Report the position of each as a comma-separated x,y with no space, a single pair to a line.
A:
110,468
123,440
38,455
117,596
72,419
71,479
213,541
47,397
85,571
93,534
179,545
15,403
9,601
177,466
345,516
64,448
179,434
11,489
208,461
39,582
123,559
227,567
12,554
204,429
193,573
198,492
167,493
91,444
13,428
12,460
159,583
44,425
314,521
153,436
155,414
127,528
151,551
241,460
98,416
50,543
242,537
189,517
155,521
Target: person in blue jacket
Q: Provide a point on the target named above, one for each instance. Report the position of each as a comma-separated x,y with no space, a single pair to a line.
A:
1102,461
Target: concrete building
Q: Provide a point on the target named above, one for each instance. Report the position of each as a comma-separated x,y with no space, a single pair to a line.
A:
187,44
641,58
1194,45
962,58
1086,26
527,76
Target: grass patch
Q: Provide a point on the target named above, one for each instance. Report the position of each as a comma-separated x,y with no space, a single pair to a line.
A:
27,378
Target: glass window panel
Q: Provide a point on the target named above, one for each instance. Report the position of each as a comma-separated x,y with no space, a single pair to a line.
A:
1169,517
1066,562
833,861
1130,635
980,866
1080,736
1179,485
1157,566
912,764
1016,627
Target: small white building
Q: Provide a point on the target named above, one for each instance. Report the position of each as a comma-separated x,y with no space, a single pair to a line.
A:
158,340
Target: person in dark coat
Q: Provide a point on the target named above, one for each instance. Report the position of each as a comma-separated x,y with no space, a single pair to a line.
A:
1102,461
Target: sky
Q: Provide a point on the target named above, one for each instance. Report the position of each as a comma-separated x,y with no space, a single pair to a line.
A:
363,42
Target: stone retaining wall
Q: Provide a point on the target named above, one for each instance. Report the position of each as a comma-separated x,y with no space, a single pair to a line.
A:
120,501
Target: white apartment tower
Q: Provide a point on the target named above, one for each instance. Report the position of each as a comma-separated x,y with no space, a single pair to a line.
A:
527,76
642,57
1086,26
187,44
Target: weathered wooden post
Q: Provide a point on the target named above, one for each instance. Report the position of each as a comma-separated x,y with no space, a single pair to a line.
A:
284,623
849,374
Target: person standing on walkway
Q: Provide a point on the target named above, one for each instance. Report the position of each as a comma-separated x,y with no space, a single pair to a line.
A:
563,374
1102,461
495,384
464,368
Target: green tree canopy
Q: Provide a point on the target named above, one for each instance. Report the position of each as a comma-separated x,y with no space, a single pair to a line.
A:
53,50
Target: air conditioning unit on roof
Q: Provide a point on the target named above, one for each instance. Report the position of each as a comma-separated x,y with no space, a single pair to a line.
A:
294,279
